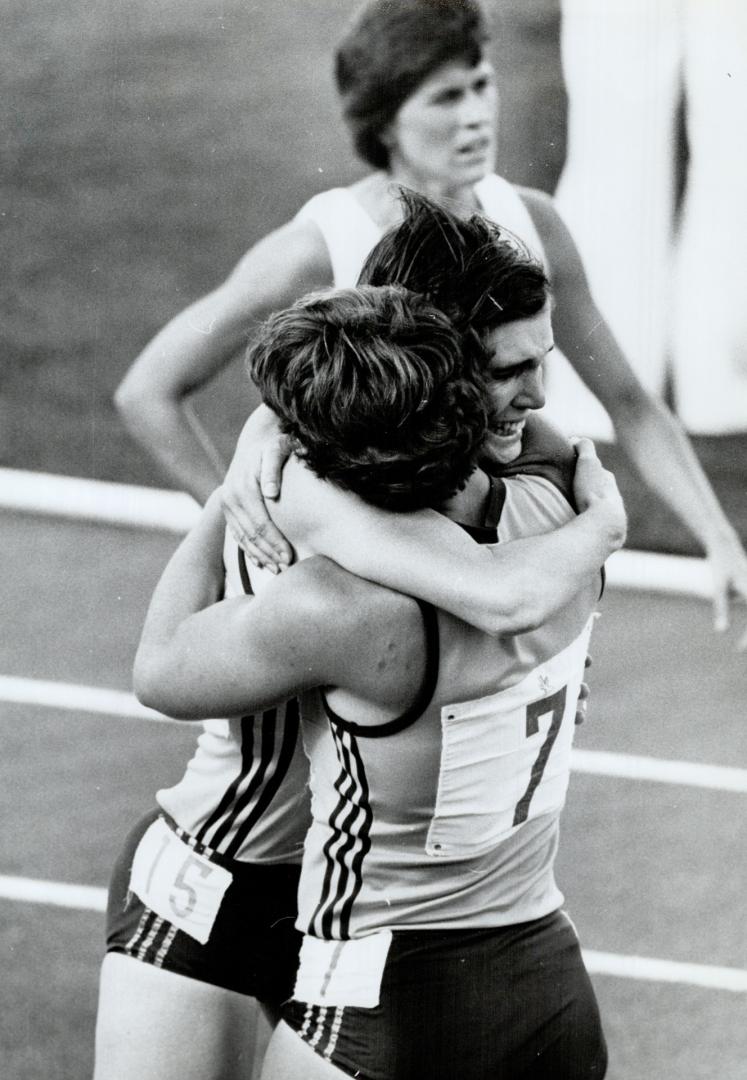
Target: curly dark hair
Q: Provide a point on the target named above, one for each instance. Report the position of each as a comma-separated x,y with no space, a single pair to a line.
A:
479,274
387,52
378,393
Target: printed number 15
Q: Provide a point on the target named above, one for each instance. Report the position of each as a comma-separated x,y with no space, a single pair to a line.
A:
556,705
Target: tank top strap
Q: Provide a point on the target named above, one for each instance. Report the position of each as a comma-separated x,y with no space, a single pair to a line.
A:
347,230
502,203
494,503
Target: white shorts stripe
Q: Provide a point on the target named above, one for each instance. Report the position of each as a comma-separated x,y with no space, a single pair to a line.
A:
334,1032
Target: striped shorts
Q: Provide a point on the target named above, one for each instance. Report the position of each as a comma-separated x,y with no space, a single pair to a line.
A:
509,1003
252,946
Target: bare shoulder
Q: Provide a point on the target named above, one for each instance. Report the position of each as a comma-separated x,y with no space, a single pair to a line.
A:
359,636
293,258
542,210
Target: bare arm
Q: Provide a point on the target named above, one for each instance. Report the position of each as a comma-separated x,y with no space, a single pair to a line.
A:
185,625
648,432
153,397
198,657
507,589
310,627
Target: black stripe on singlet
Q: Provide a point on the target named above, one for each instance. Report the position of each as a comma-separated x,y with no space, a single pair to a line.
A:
348,844
257,783
344,786
252,790
229,795
260,775
273,780
361,848
249,782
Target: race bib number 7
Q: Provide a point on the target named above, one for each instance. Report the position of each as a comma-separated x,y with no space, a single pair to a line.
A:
178,884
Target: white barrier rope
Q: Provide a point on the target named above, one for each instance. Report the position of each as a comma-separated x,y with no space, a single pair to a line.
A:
96,501
175,511
103,702
151,508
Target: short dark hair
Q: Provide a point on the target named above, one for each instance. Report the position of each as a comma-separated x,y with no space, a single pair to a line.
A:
373,386
478,273
387,52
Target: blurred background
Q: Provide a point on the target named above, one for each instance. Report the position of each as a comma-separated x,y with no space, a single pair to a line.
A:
149,145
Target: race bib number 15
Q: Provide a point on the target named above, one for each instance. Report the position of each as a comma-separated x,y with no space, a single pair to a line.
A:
178,884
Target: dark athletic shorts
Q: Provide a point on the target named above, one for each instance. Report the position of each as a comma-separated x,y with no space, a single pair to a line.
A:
252,947
511,1003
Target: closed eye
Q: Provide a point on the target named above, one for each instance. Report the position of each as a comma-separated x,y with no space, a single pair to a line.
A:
448,97
505,374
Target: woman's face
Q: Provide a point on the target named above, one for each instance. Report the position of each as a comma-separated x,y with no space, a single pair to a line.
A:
443,136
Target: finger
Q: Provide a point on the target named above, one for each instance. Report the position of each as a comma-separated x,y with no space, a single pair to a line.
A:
271,469
269,542
260,545
583,693
585,448
254,543
587,663
253,528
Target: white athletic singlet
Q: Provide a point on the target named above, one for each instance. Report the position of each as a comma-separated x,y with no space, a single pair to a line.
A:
350,233
245,791
448,816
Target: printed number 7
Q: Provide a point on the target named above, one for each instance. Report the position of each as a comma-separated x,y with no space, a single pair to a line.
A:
556,705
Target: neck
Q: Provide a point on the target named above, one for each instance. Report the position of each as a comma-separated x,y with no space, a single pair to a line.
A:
463,195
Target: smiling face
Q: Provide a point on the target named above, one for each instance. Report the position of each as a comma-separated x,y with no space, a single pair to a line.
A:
516,379
442,139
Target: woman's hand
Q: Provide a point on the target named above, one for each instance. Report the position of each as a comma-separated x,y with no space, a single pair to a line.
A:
728,563
595,488
253,476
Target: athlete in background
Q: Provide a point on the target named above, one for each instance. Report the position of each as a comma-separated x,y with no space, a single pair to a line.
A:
420,101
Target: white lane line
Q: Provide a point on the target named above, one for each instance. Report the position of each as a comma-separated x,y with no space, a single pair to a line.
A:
645,968
660,770
651,969
71,696
650,571
96,500
56,893
175,511
100,701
